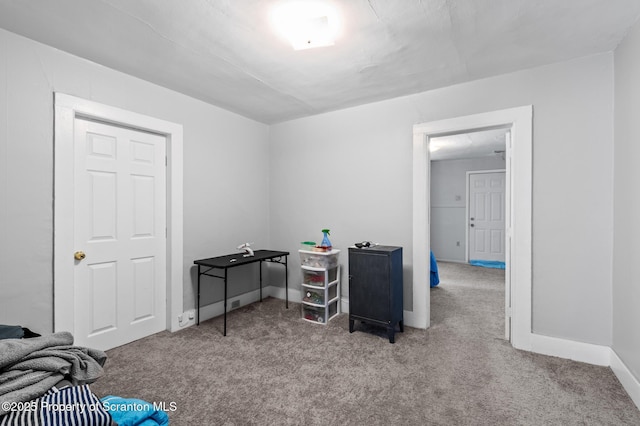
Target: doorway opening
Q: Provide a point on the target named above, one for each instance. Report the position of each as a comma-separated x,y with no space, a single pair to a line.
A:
467,199
467,212
518,198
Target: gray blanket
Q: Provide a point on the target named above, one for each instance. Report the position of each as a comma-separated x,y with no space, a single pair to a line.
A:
30,367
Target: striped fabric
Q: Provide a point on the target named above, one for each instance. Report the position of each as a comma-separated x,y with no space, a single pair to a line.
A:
70,406
28,417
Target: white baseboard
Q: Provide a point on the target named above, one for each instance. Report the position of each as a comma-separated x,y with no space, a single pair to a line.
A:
629,382
453,261
344,305
295,295
591,354
216,309
570,349
410,319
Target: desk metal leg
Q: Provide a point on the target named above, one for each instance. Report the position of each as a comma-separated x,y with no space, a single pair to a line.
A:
260,280
198,302
286,283
225,301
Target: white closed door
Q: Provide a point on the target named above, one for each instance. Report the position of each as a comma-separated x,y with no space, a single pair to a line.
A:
486,216
120,226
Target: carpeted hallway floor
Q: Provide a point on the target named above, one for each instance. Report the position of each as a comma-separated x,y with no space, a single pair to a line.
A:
275,369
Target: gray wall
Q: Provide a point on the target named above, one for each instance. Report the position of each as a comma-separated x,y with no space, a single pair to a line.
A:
449,202
351,171
626,250
218,215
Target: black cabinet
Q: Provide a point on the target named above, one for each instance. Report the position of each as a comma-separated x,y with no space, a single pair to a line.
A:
375,287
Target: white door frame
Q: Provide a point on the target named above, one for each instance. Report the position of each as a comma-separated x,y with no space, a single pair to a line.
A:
518,224
67,109
467,258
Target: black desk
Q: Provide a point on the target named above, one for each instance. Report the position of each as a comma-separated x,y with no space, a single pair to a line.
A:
238,259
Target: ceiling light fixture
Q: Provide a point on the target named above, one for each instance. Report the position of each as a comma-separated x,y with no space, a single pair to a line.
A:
307,24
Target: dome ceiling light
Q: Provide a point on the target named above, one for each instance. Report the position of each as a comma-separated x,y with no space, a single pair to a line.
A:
306,24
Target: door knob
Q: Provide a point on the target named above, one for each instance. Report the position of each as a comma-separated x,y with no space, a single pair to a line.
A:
79,255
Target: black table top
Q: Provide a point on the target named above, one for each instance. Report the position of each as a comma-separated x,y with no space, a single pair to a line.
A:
237,259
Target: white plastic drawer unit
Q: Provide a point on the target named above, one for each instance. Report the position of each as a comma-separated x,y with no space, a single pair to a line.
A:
320,285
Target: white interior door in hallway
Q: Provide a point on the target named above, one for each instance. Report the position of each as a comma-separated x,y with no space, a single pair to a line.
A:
120,225
486,219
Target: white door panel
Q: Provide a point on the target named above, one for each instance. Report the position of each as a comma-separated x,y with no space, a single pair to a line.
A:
486,216
119,222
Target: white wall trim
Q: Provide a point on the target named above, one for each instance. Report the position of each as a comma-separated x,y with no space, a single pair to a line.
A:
344,305
295,295
67,108
570,349
420,315
216,309
461,262
629,382
519,228
590,354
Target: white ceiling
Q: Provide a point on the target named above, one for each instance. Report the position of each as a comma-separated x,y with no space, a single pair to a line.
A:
224,52
486,143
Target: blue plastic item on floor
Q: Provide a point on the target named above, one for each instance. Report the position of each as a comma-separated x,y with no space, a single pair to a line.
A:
488,263
134,412
435,277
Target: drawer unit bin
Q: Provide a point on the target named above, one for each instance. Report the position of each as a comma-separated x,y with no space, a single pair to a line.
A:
313,314
313,296
317,296
314,278
332,274
317,259
333,309
318,277
319,314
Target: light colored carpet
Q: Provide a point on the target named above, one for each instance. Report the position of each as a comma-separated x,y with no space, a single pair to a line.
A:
273,368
